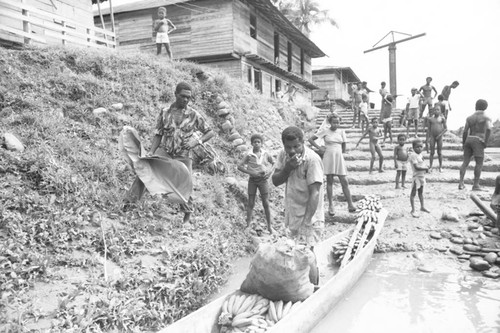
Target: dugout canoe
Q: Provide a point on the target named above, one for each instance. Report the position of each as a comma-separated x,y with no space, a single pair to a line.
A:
334,285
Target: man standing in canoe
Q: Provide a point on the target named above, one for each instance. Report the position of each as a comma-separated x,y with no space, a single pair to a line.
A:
175,137
302,171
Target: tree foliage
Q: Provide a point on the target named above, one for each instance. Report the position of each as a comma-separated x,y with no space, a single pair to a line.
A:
304,14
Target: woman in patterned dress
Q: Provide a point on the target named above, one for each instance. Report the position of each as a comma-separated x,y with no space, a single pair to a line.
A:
333,159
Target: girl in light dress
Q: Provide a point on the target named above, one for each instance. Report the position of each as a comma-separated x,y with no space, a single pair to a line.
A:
333,159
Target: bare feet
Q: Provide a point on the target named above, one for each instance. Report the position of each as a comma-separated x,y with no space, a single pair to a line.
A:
441,170
397,187
477,188
423,209
331,211
380,170
403,186
414,214
461,186
371,171
352,209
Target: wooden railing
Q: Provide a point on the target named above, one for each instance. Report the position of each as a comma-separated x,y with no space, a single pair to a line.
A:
48,28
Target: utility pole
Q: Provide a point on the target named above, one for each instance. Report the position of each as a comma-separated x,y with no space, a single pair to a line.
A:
392,57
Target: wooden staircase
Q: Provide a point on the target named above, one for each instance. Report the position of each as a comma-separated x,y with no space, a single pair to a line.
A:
357,159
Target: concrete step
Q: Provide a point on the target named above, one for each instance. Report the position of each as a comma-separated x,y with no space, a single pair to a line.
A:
361,165
364,146
447,176
359,155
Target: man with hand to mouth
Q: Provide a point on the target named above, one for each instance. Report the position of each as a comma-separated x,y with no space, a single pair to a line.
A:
302,170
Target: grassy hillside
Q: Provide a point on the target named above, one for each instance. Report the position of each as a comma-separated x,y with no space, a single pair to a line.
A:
61,199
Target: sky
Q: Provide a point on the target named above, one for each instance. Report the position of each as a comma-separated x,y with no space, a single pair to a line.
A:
462,43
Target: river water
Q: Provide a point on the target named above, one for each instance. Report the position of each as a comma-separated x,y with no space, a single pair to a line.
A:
393,296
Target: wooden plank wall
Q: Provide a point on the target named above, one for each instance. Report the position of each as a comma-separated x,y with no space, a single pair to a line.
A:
329,82
231,67
76,10
264,45
204,30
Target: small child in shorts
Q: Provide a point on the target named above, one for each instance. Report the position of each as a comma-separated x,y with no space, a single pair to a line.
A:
401,160
256,163
163,27
363,112
419,169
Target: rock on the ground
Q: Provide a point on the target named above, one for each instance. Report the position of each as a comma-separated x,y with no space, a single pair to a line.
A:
457,240
456,234
471,248
473,226
467,240
117,106
425,268
449,215
491,257
464,256
479,264
456,251
491,274
99,111
435,235
445,234
12,143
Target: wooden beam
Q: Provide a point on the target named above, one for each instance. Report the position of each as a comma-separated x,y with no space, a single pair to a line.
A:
394,43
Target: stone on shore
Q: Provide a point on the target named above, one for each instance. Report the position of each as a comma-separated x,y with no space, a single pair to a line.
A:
12,143
479,264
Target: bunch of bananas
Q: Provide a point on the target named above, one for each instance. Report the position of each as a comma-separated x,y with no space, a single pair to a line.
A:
369,208
251,313
339,248
371,202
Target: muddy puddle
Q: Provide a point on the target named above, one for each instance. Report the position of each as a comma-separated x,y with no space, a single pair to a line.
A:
395,296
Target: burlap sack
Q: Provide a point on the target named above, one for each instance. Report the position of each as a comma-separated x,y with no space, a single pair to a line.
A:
281,272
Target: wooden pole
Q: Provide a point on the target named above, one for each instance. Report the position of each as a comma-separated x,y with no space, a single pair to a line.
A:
112,16
102,19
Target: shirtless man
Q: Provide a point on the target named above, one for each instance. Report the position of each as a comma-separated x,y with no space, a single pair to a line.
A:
475,138
426,91
446,97
436,127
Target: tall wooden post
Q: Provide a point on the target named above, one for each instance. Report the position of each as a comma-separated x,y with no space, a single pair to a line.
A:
393,87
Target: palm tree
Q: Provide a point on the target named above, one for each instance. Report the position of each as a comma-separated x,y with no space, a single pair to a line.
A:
304,14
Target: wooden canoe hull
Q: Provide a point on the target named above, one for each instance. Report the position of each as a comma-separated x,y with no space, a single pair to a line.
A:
313,309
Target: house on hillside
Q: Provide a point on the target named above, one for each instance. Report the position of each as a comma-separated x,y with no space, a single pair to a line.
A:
248,39
59,22
336,82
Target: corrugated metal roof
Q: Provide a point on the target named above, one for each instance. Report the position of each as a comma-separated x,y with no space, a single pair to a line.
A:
265,7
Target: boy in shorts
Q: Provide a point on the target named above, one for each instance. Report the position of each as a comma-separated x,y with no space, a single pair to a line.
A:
386,117
419,169
255,163
163,27
412,111
400,160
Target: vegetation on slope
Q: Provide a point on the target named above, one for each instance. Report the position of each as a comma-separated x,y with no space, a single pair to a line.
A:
61,199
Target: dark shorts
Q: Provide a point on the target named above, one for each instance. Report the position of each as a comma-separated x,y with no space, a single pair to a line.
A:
260,183
473,146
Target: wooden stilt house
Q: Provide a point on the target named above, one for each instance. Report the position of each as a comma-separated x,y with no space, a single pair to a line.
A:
249,39
334,84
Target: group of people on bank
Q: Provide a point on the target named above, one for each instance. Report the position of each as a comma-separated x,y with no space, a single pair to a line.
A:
298,166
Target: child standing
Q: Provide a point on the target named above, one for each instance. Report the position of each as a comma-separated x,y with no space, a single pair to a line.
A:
386,117
363,112
400,160
255,164
163,27
436,127
412,111
374,135
419,169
